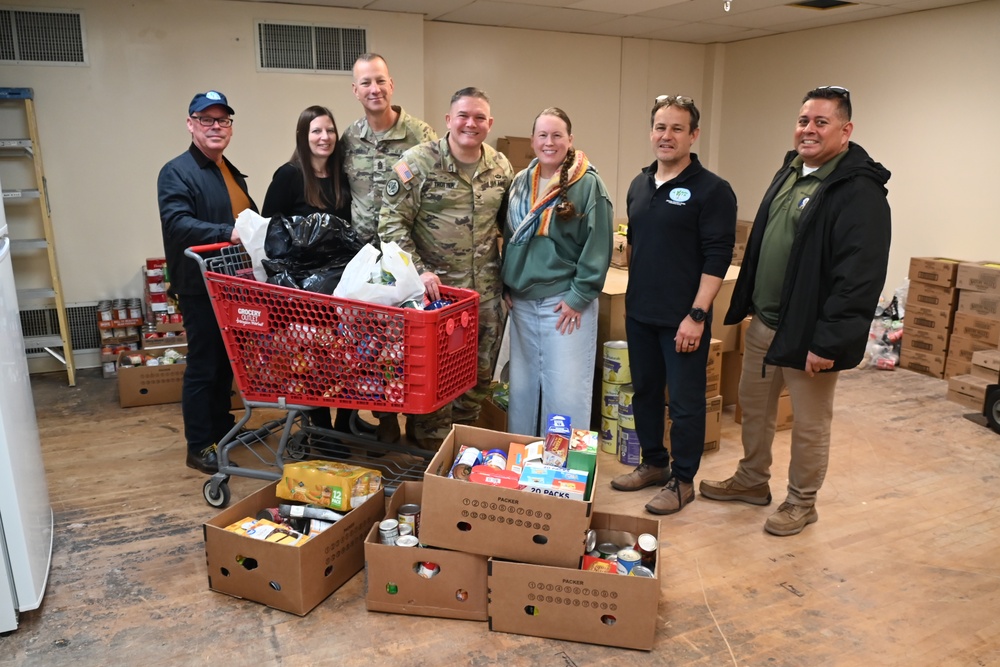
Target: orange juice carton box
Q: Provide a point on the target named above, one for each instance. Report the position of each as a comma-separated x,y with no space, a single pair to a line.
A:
519,454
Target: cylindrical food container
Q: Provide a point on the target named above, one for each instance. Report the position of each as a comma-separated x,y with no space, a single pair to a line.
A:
609,399
410,515
496,458
464,462
616,367
609,435
628,559
407,541
646,546
388,531
625,397
629,451
607,549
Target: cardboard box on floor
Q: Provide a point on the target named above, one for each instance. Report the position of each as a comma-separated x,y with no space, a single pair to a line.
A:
492,521
292,579
986,365
392,583
149,385
921,362
968,391
577,605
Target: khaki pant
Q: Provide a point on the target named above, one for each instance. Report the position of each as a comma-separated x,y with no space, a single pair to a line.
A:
812,405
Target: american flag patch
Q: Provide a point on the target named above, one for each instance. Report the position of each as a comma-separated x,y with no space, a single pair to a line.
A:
403,170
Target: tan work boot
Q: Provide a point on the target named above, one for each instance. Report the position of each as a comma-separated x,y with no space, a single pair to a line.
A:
790,519
672,498
644,475
728,489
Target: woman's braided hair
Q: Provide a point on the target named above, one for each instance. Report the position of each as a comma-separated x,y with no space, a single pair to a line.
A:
564,209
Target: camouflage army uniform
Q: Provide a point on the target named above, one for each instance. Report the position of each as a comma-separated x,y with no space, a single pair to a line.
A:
368,161
449,225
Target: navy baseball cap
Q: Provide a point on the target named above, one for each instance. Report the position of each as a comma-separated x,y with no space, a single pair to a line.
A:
212,98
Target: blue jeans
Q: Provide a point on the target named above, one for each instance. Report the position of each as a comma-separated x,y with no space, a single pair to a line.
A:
550,373
656,365
208,377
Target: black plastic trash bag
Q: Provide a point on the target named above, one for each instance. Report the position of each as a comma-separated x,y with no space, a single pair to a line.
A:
309,252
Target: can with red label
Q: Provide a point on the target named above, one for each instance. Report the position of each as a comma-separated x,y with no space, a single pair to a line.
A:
410,514
428,570
646,546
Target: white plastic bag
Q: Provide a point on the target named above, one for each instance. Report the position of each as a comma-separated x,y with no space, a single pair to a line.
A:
252,229
363,277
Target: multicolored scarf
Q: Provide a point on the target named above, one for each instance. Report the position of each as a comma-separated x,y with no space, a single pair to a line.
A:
536,218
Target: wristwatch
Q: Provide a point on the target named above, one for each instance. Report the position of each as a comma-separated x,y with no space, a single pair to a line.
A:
698,315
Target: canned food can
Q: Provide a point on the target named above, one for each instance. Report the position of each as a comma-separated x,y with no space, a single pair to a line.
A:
629,451
627,560
410,515
607,549
407,541
388,531
609,399
496,458
405,529
609,435
462,468
616,366
646,546
625,397
428,570
641,571
591,540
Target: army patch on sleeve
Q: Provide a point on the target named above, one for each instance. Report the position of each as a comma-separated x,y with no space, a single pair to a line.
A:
392,187
404,172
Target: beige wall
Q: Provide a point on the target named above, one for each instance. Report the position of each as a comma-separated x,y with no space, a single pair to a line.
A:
925,89
107,128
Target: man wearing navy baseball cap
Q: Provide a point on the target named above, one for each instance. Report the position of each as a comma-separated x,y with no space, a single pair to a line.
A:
200,194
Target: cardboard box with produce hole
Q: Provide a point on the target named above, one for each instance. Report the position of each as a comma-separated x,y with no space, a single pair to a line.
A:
492,521
292,579
393,582
577,605
149,385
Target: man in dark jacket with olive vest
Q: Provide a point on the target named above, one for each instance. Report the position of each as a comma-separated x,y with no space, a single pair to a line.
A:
813,271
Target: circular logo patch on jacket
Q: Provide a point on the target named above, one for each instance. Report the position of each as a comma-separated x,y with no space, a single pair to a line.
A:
392,187
680,194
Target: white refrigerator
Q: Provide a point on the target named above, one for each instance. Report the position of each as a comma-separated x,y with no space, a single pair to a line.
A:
25,512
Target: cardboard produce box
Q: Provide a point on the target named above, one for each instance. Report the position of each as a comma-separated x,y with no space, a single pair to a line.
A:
968,391
292,579
577,605
983,329
393,584
925,340
986,365
149,385
979,276
921,362
935,319
932,296
934,270
984,304
491,521
962,348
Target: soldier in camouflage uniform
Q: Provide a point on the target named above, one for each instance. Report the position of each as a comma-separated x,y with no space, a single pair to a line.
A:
374,143
441,204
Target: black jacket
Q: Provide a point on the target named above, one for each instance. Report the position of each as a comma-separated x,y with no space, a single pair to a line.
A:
836,268
195,209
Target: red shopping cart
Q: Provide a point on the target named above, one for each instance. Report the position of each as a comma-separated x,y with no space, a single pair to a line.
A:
294,350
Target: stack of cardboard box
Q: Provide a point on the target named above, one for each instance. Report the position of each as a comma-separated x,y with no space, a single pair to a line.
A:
930,309
973,356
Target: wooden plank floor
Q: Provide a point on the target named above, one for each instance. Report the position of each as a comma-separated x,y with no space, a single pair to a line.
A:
901,569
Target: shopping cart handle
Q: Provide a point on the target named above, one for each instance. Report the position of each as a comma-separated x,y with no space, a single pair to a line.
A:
200,249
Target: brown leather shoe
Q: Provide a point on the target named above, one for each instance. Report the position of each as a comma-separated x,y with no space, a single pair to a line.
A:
728,489
790,519
644,475
672,498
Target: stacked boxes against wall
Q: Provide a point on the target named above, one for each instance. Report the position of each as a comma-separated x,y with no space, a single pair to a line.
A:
930,310
974,357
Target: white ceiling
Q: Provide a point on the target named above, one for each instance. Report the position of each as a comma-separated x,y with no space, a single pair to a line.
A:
691,21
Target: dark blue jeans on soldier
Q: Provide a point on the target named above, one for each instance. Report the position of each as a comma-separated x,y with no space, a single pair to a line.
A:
656,365
208,378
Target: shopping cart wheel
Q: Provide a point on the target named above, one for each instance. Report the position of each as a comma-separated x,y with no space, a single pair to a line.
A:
219,498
